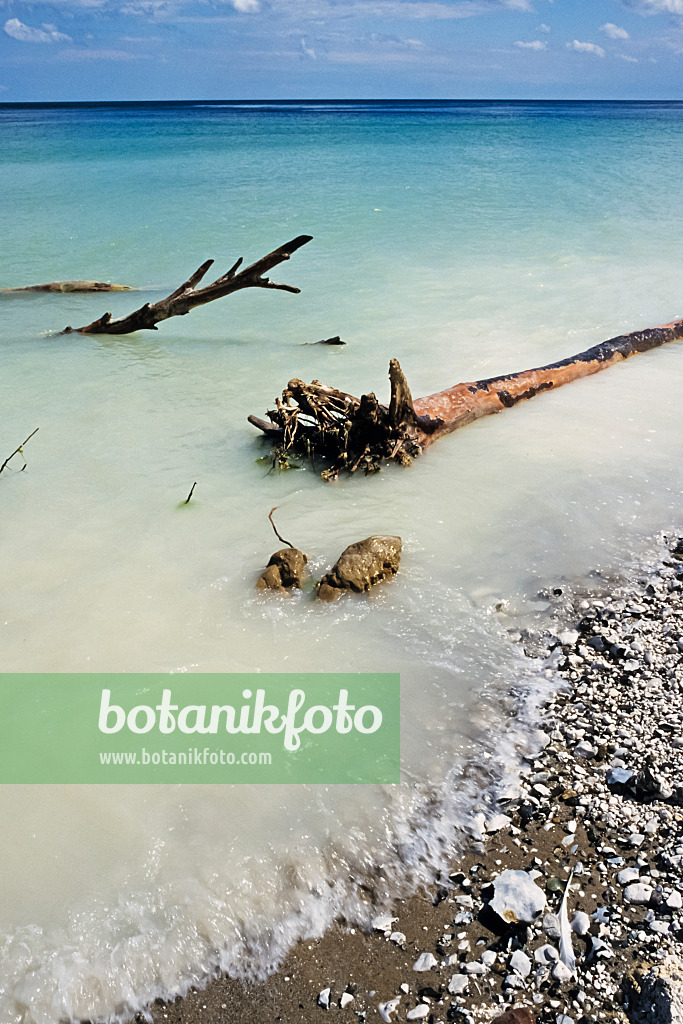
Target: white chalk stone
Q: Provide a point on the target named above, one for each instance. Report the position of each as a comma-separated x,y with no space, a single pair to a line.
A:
425,962
581,923
638,893
458,984
517,898
419,1013
520,963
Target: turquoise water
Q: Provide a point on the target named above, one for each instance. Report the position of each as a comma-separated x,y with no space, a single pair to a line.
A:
466,239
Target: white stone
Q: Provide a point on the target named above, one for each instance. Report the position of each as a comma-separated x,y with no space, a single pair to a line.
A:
568,638
383,923
497,821
324,999
488,957
581,923
584,749
674,901
458,984
388,1008
562,973
475,967
345,999
636,839
546,954
419,1013
514,981
520,963
628,875
517,898
425,962
638,893
397,937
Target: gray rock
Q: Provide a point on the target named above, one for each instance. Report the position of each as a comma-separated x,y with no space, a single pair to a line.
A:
551,926
584,749
517,898
657,996
361,565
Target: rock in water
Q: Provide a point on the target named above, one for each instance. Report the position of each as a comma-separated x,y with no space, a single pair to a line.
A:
361,565
517,899
284,571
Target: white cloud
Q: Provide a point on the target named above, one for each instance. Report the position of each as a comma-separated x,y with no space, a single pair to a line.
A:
537,44
655,6
86,55
631,60
307,50
25,34
543,27
586,48
246,6
613,31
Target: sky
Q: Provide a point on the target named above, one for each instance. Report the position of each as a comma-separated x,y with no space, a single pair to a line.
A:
59,50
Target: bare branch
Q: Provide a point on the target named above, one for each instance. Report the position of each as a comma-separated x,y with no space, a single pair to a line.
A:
18,451
270,516
186,297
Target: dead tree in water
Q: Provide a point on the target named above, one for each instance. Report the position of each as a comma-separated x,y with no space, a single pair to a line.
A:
69,286
187,296
360,433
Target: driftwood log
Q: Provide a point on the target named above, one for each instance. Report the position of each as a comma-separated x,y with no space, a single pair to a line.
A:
359,433
187,296
69,286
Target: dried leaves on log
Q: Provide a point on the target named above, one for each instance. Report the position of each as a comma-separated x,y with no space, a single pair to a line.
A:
188,296
360,433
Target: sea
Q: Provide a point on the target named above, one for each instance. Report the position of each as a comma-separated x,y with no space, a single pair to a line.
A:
466,239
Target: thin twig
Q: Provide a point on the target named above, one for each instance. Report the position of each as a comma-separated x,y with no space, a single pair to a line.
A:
270,516
187,499
18,451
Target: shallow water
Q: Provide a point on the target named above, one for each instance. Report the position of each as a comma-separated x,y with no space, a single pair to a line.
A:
465,239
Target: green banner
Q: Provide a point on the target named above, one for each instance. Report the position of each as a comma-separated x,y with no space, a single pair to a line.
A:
199,728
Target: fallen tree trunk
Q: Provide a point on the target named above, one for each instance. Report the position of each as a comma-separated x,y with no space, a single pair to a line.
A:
187,296
69,286
353,433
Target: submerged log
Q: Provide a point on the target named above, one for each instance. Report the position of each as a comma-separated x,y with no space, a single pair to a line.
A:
187,296
69,286
352,433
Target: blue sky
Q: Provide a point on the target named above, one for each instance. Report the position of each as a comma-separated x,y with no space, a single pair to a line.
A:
253,49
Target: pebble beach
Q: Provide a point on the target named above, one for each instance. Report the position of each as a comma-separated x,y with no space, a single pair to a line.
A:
565,905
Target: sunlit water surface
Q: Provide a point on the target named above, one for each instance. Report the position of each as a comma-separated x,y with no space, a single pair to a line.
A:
464,239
